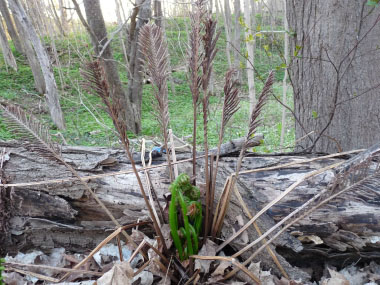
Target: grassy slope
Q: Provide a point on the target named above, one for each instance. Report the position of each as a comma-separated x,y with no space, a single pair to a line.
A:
83,129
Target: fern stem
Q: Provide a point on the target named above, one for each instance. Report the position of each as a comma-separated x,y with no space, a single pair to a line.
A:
173,223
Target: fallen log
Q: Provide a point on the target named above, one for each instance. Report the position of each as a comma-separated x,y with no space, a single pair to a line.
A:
49,215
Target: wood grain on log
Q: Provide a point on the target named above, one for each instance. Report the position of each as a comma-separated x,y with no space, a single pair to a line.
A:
64,215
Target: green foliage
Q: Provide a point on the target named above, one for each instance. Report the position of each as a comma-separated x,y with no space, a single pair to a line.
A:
2,268
184,199
373,3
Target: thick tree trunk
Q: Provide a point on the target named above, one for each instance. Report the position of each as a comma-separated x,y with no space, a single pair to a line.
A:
37,18
62,214
52,95
99,38
141,15
335,73
38,77
10,26
7,52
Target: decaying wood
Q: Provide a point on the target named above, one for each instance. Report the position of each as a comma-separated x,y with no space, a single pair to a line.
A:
64,215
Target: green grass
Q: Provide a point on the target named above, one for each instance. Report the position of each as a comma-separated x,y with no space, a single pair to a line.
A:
84,129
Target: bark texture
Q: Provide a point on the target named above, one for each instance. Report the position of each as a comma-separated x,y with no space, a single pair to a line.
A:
250,45
10,26
335,72
7,52
140,16
237,39
99,39
158,16
228,30
63,15
38,77
64,215
52,95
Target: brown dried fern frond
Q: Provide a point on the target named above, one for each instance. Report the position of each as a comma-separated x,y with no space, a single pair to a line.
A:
231,97
96,83
253,124
195,61
36,135
209,40
155,51
194,51
254,121
230,107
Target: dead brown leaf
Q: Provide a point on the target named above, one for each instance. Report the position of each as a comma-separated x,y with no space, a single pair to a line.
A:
335,279
120,274
208,249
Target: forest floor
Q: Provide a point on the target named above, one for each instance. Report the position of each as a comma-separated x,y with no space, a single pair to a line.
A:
88,124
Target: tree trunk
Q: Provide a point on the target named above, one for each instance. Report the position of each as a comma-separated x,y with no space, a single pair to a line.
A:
52,95
99,38
7,52
237,39
58,22
158,12
123,35
140,16
335,73
217,10
10,26
250,43
27,47
64,21
285,79
37,18
227,28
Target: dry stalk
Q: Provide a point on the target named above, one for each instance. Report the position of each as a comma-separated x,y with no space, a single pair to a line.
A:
209,40
269,205
194,59
230,106
96,81
265,242
374,178
172,149
10,265
254,122
37,275
256,226
233,262
148,181
155,50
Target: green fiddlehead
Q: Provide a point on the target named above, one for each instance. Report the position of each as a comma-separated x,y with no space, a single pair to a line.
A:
185,197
